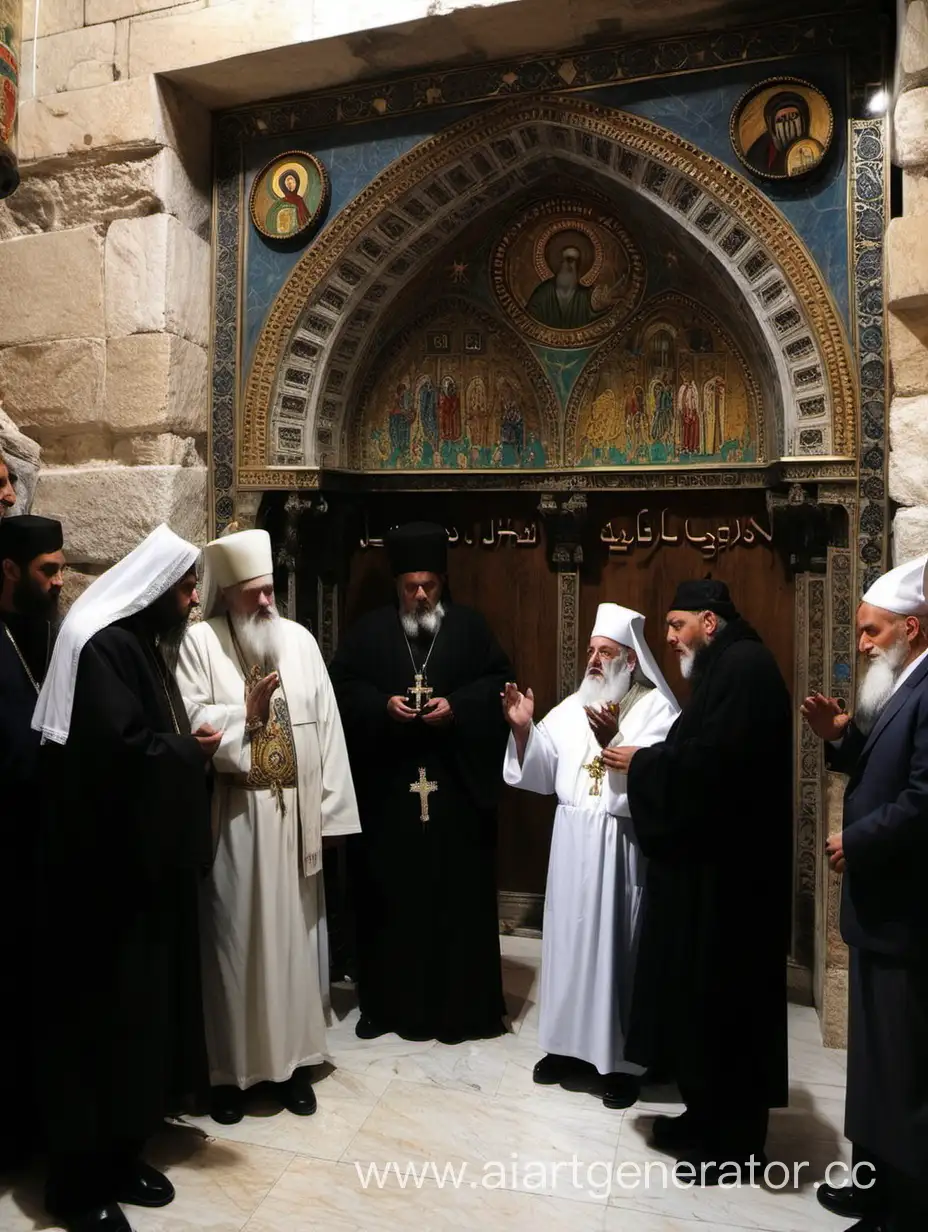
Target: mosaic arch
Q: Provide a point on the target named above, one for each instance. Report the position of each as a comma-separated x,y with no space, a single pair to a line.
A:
316,340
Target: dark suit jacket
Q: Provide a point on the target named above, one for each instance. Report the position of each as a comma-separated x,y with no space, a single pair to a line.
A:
884,906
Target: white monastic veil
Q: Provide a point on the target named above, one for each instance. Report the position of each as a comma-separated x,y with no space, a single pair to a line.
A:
129,587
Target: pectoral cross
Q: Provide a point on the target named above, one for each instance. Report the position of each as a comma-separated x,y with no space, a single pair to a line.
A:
597,772
423,789
420,693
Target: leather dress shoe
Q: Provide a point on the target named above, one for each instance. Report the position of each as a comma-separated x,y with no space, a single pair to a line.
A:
846,1201
227,1105
107,1218
554,1068
297,1094
621,1090
366,1028
143,1185
678,1133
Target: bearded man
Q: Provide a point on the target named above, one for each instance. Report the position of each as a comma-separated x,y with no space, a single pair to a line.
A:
282,784
595,870
562,301
31,561
712,811
418,684
7,490
123,841
882,851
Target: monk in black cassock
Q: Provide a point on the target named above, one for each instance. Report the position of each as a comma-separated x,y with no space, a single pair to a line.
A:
31,561
124,839
712,810
427,772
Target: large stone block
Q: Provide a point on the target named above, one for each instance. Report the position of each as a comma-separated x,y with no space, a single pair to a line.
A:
164,450
106,511
132,115
910,534
915,191
54,384
157,279
156,383
112,10
910,128
63,198
58,281
908,351
913,50
76,60
908,458
54,16
907,263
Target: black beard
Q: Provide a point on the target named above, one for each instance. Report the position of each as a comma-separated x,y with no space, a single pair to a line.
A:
30,600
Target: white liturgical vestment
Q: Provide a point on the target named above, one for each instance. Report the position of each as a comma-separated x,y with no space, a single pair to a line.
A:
595,879
264,948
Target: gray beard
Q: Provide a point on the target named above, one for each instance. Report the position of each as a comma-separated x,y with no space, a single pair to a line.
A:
876,688
612,686
259,638
428,622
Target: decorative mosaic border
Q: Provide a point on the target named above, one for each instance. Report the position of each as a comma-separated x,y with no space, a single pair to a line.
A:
868,198
568,599
836,32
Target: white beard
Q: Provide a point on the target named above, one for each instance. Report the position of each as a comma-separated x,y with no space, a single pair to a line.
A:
428,622
259,638
876,688
610,687
687,662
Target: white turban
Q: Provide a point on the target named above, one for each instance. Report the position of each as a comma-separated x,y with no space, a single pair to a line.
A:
626,627
232,559
148,572
902,590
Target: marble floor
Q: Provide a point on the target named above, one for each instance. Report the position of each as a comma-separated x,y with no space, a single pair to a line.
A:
518,1157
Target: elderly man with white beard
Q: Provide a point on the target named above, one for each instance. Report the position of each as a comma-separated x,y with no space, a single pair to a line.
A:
595,870
882,852
282,783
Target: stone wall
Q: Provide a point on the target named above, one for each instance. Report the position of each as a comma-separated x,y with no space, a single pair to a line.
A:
907,294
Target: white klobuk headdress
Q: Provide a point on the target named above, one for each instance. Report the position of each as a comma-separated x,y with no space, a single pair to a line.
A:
626,627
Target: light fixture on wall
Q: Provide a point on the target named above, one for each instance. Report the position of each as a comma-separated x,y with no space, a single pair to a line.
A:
878,102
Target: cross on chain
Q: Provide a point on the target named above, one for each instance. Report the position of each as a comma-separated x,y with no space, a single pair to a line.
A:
420,691
423,789
597,772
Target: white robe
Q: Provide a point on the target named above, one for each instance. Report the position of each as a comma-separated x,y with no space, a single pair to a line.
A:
595,881
263,939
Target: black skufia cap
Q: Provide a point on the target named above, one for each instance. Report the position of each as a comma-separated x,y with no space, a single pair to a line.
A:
418,547
704,595
23,537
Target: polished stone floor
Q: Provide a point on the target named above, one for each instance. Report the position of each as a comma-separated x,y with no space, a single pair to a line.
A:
532,1157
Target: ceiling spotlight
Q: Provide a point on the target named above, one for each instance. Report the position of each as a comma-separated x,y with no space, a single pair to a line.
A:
878,102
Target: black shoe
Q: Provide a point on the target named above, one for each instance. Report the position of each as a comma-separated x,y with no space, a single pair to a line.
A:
143,1185
553,1069
297,1094
366,1028
104,1219
621,1090
227,1105
708,1167
846,1201
680,1133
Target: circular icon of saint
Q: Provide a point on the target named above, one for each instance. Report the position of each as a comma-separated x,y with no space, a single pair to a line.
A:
782,129
289,195
566,273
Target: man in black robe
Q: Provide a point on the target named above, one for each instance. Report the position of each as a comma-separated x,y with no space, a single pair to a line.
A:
712,809
124,838
882,851
31,561
426,767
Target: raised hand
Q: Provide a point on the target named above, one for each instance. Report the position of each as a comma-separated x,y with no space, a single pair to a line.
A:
518,708
603,724
824,716
258,702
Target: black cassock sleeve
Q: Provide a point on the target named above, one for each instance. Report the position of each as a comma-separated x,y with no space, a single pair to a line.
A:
151,786
842,758
480,731
678,790
362,705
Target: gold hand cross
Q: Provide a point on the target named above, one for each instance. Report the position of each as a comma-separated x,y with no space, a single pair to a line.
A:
423,789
